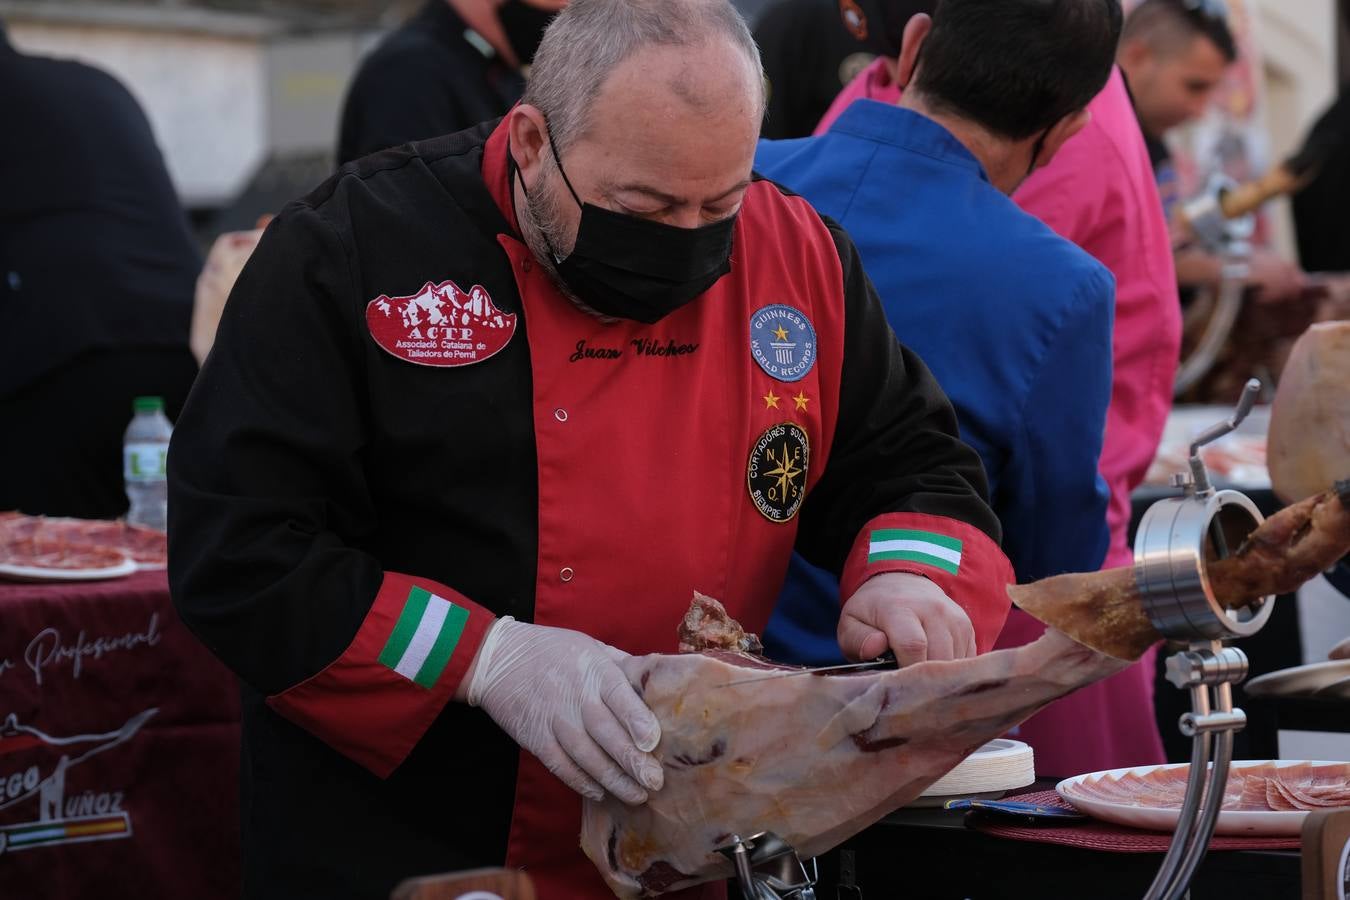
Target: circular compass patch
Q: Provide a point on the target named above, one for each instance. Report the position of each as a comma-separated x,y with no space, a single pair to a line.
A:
776,473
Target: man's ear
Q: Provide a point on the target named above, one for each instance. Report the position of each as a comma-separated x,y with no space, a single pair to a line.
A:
1059,135
528,131
1133,55
916,32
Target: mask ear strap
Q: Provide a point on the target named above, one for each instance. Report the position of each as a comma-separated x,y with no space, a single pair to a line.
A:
558,159
1036,149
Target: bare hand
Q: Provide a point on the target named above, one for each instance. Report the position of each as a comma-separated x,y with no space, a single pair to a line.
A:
223,265
909,614
1274,278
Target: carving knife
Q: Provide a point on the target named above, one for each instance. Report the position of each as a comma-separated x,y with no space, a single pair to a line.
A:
885,661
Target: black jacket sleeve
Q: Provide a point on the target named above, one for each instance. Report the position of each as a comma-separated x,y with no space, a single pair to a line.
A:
264,467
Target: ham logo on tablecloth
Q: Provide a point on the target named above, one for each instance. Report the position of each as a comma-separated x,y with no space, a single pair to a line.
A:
441,325
33,772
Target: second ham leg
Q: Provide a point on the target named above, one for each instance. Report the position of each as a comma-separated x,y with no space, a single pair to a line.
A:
1104,610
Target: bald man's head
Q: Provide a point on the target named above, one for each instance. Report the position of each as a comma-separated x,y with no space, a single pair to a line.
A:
650,109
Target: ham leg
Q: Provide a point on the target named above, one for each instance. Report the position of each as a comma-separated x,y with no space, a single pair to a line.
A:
818,758
814,758
1103,610
1309,441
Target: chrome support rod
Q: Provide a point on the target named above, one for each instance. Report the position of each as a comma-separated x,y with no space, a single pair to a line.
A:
1208,670
1199,846
1177,538
1163,882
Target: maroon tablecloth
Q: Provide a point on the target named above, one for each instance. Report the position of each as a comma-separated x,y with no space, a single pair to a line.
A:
119,746
1094,835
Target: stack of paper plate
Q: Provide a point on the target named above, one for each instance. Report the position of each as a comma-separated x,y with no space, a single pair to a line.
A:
999,766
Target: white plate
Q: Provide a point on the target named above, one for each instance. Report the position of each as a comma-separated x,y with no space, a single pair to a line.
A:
43,574
1299,680
1339,690
1266,824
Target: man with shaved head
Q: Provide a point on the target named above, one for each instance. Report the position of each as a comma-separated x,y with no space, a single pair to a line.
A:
1174,54
485,411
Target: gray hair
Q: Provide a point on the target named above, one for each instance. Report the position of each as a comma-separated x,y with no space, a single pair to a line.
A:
589,39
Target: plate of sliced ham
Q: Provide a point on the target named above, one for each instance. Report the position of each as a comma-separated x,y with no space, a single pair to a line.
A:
37,548
83,568
1262,797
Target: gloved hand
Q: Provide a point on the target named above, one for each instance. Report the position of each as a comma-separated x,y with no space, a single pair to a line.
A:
562,696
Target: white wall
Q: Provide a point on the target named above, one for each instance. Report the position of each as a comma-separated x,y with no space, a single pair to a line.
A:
205,94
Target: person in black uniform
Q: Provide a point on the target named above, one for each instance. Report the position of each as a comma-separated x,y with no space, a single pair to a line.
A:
484,411
1322,205
809,57
454,64
97,271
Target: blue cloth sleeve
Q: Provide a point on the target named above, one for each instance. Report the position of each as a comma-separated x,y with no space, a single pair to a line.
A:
1050,498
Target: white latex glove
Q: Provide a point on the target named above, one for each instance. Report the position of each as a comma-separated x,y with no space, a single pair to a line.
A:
561,696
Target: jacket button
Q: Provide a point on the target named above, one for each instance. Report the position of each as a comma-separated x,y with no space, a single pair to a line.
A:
528,265
560,414
566,574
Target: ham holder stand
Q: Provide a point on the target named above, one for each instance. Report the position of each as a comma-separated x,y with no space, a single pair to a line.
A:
1177,538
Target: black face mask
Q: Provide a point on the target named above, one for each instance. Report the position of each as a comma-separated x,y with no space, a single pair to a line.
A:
524,26
631,268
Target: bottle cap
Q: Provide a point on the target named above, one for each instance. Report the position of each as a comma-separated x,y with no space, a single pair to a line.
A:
148,404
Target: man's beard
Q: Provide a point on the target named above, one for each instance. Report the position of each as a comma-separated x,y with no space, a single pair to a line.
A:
542,226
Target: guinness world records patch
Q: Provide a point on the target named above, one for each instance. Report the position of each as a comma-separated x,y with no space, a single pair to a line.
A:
775,475
783,342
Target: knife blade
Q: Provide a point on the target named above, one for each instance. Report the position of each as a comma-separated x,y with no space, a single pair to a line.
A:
884,661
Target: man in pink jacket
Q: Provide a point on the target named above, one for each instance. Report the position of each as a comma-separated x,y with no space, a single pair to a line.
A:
1099,192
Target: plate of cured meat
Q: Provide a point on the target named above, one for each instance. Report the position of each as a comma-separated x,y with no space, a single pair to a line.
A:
37,548
1262,797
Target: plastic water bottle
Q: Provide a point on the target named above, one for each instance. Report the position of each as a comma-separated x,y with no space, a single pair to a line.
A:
144,456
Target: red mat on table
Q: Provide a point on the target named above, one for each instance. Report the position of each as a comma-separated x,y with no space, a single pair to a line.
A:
1094,835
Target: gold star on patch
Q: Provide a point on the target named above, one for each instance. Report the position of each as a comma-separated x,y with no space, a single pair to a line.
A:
801,400
770,401
781,333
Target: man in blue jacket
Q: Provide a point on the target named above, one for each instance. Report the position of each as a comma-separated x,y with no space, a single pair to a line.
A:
1014,320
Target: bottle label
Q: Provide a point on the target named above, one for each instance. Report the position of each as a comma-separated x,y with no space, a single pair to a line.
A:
145,462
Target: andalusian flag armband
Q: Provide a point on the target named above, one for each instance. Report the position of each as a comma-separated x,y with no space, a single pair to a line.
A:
957,557
927,548
425,637
375,701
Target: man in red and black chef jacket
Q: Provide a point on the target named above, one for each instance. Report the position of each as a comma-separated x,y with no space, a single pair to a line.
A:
483,413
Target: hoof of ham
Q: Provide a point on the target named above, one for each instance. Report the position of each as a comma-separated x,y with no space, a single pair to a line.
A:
813,758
